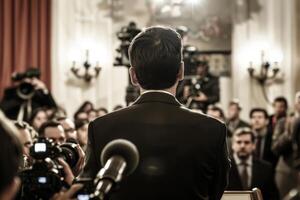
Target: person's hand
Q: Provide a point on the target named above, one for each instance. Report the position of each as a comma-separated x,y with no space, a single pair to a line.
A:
38,84
67,194
200,97
69,176
79,165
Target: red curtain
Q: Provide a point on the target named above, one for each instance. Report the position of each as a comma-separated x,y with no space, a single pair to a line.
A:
25,38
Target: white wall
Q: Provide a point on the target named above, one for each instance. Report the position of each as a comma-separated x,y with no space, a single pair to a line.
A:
78,25
271,28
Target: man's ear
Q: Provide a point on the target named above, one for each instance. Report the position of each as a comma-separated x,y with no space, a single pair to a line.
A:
180,75
133,77
11,190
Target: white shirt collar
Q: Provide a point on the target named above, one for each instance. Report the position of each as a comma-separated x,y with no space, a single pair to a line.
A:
160,91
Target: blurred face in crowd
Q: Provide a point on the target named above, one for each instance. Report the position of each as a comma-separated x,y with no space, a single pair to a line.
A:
201,70
87,107
82,134
39,119
214,113
233,112
242,145
92,115
57,134
258,121
279,108
26,140
69,128
82,116
101,113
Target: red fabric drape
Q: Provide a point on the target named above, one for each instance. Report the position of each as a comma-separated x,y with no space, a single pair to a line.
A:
25,38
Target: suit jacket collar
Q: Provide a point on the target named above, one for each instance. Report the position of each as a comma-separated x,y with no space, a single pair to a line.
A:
156,96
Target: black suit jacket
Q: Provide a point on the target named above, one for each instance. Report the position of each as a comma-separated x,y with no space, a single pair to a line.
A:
262,178
183,154
11,102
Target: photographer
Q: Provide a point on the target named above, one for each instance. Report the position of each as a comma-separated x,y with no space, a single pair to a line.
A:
202,90
27,94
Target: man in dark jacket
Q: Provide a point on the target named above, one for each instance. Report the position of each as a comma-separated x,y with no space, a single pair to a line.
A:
183,154
20,100
248,172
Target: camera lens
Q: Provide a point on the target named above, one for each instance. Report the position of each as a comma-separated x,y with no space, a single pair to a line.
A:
70,154
25,90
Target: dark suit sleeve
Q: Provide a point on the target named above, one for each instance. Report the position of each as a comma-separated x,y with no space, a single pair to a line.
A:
271,192
45,99
222,167
91,164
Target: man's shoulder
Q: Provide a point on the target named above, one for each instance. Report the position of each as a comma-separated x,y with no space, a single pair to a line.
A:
263,165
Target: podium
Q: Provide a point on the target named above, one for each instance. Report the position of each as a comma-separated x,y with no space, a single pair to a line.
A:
254,194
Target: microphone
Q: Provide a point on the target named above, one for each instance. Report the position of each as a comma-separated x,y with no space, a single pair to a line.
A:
120,158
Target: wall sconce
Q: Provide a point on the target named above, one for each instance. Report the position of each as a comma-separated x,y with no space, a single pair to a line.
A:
87,75
267,73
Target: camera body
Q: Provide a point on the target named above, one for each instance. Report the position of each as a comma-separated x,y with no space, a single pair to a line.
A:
125,35
26,90
46,176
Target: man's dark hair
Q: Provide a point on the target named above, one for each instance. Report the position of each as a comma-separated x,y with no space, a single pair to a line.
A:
281,99
245,131
156,55
34,114
102,109
216,108
10,154
235,102
21,125
262,110
46,125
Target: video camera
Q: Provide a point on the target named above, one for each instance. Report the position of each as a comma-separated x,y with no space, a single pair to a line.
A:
125,35
26,90
46,176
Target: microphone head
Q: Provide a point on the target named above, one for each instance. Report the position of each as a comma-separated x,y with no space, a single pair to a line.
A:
123,148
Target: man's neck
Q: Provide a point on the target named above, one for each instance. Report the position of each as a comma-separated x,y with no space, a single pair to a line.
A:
171,90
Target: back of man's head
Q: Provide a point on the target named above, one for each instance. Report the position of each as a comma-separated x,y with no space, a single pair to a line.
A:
156,55
10,156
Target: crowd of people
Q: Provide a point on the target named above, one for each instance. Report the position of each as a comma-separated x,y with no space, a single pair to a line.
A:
263,150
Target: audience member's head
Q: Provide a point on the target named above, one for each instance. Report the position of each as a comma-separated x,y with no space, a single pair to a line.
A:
216,112
54,113
82,132
92,114
118,107
101,112
80,115
68,126
258,119
53,130
25,136
38,117
234,109
243,143
280,106
86,106
10,159
156,58
202,68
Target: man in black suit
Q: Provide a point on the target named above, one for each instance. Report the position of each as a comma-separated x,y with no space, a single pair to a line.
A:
263,135
248,172
183,154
